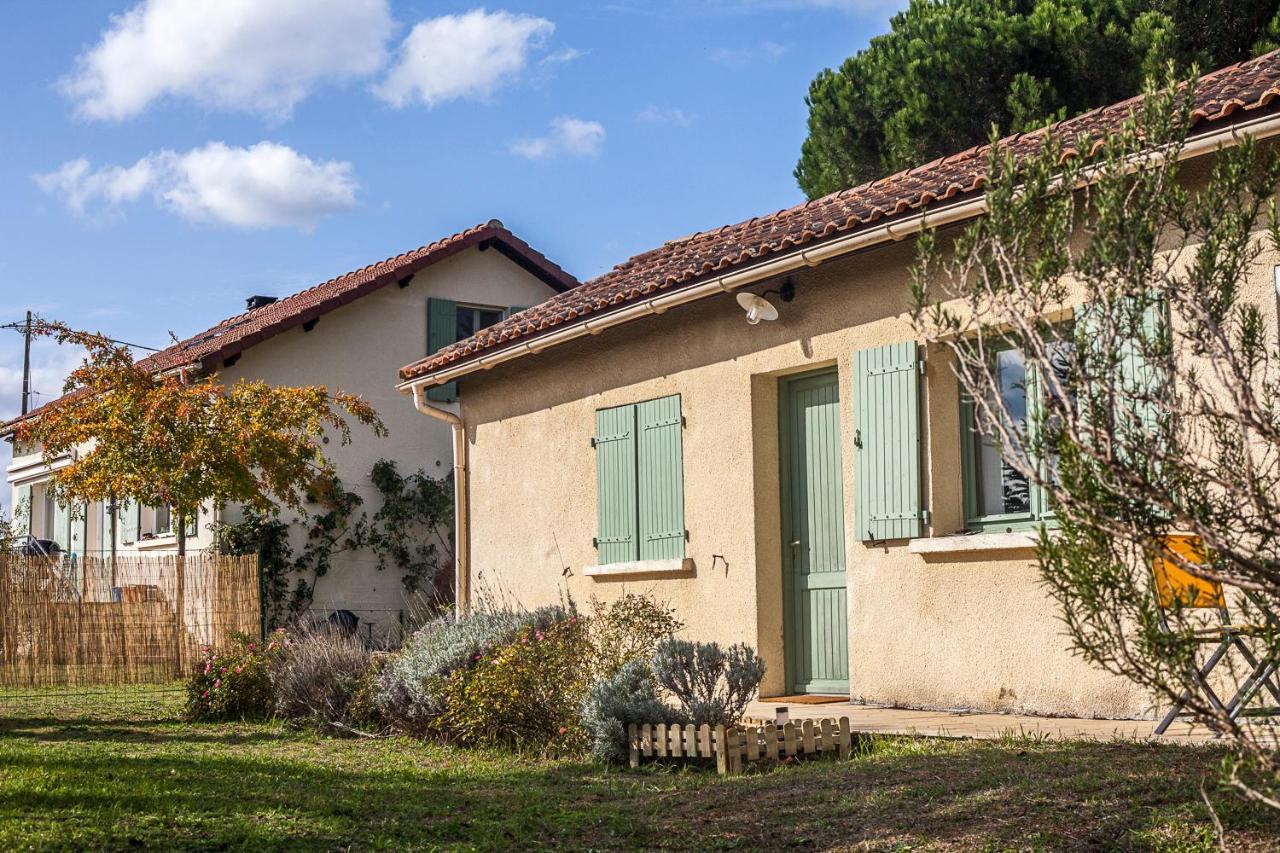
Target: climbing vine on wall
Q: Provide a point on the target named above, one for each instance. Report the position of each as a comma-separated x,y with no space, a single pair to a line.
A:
410,532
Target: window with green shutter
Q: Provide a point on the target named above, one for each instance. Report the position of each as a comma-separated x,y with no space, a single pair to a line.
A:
997,497
886,468
22,508
640,481
129,521
449,322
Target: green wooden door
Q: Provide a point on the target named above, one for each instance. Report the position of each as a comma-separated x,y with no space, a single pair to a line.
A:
813,559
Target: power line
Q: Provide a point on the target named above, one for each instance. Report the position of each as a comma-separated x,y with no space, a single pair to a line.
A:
20,326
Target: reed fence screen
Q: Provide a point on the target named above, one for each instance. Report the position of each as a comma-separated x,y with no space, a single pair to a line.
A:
136,620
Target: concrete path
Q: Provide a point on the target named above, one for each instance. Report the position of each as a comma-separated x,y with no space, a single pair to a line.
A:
901,721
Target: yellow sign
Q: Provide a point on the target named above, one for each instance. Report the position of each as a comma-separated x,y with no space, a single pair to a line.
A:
1178,586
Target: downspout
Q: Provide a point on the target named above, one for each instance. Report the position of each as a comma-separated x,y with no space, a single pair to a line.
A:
461,502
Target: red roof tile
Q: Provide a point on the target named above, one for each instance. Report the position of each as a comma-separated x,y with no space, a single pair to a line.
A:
238,333
1245,86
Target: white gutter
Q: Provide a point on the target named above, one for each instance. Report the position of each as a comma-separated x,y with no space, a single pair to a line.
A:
1259,128
461,517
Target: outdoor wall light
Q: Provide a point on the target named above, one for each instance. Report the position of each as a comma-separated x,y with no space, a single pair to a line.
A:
758,308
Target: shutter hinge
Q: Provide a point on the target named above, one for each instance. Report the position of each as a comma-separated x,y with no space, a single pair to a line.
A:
926,516
593,442
595,543
920,364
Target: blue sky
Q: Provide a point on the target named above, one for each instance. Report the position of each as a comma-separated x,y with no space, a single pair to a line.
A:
160,163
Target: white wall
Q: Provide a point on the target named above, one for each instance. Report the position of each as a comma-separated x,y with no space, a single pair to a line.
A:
359,348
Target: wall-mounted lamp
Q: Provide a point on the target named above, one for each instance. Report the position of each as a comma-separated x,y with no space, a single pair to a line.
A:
758,308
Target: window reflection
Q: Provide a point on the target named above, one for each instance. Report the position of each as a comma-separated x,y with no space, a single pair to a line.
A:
1000,488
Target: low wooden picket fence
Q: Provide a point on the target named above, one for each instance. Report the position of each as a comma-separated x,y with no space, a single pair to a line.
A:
733,748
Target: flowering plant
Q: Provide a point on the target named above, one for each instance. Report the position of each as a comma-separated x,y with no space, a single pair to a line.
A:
234,681
523,694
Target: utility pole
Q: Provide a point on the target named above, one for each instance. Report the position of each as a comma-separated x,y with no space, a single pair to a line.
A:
26,365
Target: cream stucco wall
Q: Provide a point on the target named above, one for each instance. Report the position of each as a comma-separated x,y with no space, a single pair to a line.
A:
966,630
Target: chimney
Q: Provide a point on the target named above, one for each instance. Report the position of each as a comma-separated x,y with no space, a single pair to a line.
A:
255,302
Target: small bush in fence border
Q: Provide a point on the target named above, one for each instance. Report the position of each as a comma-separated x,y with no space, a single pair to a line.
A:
737,746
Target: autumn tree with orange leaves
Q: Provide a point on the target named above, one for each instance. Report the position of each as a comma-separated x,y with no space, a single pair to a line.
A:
173,438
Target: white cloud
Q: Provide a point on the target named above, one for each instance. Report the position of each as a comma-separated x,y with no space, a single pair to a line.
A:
568,135
77,183
568,54
261,56
654,114
740,57
462,56
262,186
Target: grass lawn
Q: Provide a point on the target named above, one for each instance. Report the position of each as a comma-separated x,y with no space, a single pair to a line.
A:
122,771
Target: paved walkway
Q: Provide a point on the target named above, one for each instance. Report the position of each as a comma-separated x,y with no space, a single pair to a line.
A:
866,718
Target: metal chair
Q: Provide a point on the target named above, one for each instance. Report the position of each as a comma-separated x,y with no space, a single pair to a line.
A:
1178,588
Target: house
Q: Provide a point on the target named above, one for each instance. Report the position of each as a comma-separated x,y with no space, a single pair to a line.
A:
796,484
348,333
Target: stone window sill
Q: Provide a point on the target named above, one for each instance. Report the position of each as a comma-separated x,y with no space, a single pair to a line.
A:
999,542
683,565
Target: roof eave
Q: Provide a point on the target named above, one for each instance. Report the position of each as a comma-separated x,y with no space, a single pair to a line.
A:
1223,132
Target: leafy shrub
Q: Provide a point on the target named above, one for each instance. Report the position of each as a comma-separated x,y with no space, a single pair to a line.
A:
364,712
713,685
629,696
317,676
628,629
409,687
234,682
523,694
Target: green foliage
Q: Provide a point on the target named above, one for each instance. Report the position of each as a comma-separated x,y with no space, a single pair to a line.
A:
628,628
713,685
317,678
524,694
411,687
234,681
947,72
1158,411
409,531
630,695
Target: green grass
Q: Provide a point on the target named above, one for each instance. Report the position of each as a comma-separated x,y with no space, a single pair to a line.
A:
119,771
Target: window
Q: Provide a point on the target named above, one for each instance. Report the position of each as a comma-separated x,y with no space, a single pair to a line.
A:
997,497
639,482
471,320
449,322
163,521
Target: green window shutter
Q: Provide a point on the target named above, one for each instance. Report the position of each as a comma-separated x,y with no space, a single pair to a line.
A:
660,475
615,444
129,521
1135,374
22,509
886,468
1139,375
62,525
442,330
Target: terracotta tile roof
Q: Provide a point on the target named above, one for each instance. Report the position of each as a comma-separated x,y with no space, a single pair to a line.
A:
1243,87
238,333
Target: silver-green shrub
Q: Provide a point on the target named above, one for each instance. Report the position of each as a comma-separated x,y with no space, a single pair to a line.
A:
407,692
629,696
712,684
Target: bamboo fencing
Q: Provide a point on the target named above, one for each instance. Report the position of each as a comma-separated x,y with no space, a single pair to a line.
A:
123,620
733,748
